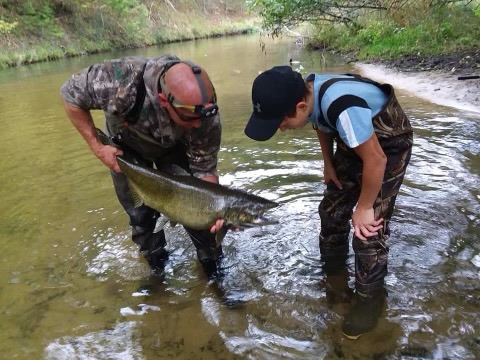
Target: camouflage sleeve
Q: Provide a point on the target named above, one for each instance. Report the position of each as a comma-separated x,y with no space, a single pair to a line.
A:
75,90
203,145
110,86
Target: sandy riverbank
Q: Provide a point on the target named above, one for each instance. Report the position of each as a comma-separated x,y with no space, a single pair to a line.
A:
439,87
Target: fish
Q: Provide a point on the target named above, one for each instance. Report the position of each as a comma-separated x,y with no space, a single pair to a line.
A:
184,199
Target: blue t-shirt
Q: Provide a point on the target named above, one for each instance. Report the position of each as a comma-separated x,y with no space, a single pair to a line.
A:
354,123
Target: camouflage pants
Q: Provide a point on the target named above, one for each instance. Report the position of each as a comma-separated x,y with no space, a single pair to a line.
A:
336,209
143,219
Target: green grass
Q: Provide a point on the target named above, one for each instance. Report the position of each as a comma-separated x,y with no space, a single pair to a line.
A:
39,30
434,31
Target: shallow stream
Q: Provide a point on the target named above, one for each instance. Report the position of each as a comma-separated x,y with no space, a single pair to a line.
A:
73,285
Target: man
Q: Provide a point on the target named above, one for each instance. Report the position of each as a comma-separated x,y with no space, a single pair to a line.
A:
373,138
163,111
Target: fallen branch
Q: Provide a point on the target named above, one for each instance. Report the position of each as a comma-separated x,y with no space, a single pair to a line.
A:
171,5
469,77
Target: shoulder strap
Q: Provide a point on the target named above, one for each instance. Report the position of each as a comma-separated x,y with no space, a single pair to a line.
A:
339,105
197,72
134,113
332,81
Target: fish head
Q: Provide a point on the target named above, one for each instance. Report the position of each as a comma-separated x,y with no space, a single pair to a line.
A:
248,212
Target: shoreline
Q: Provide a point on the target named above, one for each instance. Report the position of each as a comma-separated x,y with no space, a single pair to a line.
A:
437,86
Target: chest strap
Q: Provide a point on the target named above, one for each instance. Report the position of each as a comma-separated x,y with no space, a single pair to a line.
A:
342,103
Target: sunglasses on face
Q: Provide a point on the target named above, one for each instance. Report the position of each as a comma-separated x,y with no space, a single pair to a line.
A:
201,111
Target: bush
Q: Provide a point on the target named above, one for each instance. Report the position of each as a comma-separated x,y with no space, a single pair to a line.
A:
36,30
414,29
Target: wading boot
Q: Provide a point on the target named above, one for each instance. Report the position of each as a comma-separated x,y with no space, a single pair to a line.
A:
157,257
364,315
336,288
152,245
336,280
157,260
215,271
212,268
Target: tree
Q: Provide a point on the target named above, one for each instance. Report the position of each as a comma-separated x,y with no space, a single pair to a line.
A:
279,13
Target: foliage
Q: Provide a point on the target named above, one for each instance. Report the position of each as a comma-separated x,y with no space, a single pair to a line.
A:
31,17
379,28
6,27
434,30
279,13
35,30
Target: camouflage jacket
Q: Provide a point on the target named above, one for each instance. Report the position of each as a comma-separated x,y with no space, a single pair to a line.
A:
112,87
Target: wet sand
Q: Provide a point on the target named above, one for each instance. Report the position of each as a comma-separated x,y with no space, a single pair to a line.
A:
439,87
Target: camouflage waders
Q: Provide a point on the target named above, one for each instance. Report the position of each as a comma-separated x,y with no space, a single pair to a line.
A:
395,135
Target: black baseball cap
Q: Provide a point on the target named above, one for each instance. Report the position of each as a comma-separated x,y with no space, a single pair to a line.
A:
275,93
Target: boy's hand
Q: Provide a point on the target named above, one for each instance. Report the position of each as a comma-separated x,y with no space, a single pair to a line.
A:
364,223
329,174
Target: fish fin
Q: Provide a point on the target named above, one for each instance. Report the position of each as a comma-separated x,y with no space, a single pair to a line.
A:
174,170
220,235
128,154
105,139
173,223
161,222
136,199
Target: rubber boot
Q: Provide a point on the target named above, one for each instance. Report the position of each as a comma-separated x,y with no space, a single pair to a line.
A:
208,252
337,289
157,257
336,280
363,316
212,268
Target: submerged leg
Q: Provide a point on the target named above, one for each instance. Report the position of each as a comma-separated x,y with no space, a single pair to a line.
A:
142,221
335,212
371,256
208,252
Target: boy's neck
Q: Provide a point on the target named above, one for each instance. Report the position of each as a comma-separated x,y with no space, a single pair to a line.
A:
310,99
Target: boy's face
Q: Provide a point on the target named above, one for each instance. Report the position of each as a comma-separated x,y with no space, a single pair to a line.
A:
298,120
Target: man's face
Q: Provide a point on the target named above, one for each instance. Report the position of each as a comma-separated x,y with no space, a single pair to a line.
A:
182,117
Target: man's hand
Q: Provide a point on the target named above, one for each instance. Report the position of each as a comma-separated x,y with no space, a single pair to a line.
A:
364,223
218,225
108,155
220,222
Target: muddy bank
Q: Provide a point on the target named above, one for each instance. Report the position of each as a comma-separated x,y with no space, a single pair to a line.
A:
459,63
433,78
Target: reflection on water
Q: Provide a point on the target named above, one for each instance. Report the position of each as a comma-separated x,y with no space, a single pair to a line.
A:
117,343
74,286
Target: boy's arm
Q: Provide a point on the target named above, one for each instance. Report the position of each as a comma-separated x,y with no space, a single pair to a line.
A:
374,162
326,144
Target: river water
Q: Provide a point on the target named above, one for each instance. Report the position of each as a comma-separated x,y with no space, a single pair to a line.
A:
73,286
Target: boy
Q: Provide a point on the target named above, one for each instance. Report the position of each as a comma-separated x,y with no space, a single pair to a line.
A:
373,138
